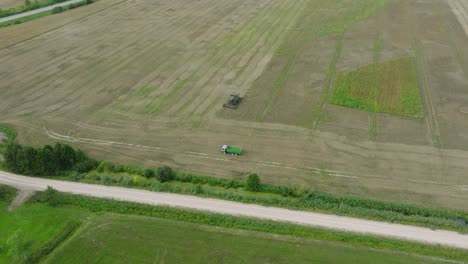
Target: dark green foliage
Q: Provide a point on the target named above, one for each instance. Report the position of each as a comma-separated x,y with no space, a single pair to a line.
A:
67,231
57,9
7,193
212,181
48,161
149,173
49,196
104,205
165,174
252,183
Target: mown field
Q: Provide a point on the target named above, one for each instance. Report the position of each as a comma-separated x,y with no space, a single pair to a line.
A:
136,239
143,82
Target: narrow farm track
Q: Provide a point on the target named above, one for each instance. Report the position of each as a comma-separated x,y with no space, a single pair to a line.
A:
419,234
460,9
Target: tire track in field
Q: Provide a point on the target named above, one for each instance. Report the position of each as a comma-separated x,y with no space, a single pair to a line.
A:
373,115
457,51
460,9
327,83
424,88
97,142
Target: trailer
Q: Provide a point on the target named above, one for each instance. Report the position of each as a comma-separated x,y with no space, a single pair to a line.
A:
231,149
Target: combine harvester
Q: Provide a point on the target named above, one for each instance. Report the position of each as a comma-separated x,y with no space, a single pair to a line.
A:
233,102
231,149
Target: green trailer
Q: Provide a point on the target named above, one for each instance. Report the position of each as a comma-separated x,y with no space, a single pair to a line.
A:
231,149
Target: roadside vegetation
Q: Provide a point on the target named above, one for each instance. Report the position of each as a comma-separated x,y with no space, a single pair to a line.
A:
63,162
388,87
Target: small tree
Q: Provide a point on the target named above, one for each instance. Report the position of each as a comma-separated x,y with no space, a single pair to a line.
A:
165,174
253,183
148,173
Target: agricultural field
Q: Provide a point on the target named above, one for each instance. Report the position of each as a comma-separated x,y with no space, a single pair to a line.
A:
143,82
136,239
29,227
5,4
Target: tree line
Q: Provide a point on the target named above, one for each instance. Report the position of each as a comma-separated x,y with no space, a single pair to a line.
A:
47,161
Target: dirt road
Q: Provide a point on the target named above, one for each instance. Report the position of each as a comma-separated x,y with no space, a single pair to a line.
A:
226,207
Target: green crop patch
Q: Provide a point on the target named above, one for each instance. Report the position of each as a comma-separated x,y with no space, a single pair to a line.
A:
137,239
390,87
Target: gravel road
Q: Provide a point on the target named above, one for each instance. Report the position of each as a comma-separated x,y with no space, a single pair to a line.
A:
413,233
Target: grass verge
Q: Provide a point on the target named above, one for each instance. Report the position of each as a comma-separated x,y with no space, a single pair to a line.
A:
287,197
63,200
112,238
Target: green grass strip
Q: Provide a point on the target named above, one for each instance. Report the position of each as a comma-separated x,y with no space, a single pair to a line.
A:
228,221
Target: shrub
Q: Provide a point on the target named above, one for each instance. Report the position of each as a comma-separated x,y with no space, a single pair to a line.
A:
149,173
50,196
7,193
165,174
57,9
253,183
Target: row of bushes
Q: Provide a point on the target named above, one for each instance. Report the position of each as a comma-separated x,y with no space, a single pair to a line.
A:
46,161
227,221
291,197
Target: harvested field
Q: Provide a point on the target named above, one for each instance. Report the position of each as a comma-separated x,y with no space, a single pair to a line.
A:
5,4
143,82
